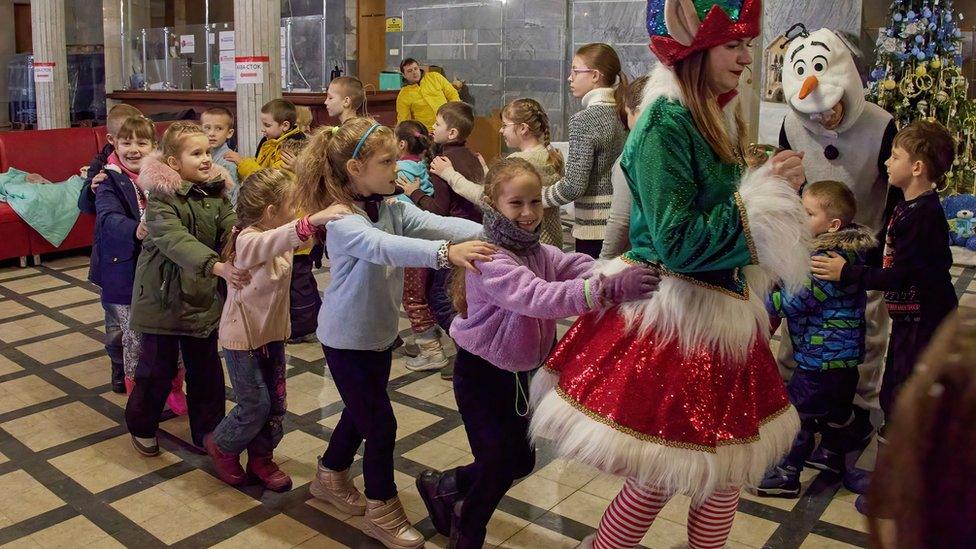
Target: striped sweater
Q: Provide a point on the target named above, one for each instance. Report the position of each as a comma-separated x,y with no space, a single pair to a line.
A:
596,139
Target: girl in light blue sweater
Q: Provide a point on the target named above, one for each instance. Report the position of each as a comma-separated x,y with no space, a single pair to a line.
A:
355,165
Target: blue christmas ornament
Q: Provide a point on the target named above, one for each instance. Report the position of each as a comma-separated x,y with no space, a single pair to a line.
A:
919,39
956,33
931,26
958,59
920,56
897,16
910,15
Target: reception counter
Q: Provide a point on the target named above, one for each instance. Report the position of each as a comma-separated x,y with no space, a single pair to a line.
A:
380,105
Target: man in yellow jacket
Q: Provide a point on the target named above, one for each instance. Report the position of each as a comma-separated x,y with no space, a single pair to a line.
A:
422,94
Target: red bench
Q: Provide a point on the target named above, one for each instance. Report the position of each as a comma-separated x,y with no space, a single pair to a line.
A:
56,155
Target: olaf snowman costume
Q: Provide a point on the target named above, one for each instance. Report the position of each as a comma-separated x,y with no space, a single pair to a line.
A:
818,73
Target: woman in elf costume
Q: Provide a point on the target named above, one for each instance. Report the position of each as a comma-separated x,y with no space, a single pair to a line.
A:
680,392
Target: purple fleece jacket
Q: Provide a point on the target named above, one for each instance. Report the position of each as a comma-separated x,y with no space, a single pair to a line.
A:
514,303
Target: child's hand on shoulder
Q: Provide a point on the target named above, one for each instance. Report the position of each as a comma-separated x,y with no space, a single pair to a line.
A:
232,156
333,212
440,165
97,180
408,186
142,231
465,254
828,268
288,160
238,278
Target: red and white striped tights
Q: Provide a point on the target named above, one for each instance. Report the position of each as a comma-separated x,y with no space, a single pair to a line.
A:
634,509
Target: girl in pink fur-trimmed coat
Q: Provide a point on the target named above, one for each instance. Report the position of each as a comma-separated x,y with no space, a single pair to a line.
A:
175,300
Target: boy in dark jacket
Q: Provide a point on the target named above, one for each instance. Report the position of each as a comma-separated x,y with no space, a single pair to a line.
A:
94,175
827,327
915,268
94,171
453,125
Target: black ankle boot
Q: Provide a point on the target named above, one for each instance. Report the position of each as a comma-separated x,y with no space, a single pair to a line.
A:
118,379
439,493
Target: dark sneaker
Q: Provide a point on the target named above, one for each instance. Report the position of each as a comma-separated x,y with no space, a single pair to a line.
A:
439,493
825,460
447,372
148,447
307,338
857,480
781,482
454,541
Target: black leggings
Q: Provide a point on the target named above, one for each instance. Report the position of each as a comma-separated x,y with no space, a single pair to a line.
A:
362,377
495,416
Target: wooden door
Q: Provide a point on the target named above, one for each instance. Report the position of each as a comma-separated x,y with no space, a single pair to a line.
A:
22,28
371,40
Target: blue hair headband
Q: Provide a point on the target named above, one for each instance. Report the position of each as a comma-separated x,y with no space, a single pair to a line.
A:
355,152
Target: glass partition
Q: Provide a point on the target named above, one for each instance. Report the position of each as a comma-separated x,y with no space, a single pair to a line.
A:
201,57
303,54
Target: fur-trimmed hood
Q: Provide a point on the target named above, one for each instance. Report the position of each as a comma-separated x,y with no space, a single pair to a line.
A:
854,238
155,176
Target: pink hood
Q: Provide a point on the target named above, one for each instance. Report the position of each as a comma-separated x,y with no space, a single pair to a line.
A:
155,176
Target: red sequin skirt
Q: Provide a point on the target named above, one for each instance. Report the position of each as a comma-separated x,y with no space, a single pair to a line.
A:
655,391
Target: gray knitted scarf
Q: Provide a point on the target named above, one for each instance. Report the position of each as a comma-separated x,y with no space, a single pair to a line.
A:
504,232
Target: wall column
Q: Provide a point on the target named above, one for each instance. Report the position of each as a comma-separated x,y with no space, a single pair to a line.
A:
47,28
257,36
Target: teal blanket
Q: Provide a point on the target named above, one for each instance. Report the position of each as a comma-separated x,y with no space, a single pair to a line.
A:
50,209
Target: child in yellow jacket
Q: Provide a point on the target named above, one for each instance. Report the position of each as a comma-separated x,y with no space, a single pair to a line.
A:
278,124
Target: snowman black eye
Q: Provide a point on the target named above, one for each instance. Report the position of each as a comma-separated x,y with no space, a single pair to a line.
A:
800,67
819,64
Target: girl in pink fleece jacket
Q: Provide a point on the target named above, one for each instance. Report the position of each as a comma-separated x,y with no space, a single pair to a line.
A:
504,330
255,323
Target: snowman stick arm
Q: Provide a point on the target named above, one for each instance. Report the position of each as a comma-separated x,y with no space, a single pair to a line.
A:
784,141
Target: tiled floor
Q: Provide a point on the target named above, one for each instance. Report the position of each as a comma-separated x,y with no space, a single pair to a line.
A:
69,477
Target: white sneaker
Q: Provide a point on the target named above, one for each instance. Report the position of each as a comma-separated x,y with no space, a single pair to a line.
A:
431,357
427,362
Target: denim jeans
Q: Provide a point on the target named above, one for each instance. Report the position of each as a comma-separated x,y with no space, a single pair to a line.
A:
113,335
258,378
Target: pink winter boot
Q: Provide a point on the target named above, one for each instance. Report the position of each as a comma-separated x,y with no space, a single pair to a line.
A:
177,399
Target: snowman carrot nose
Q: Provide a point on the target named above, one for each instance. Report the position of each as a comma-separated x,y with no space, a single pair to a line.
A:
808,86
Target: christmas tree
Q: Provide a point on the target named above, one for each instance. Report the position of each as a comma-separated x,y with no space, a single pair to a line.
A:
918,75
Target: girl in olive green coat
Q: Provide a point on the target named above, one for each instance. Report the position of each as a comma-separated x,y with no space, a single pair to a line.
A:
175,300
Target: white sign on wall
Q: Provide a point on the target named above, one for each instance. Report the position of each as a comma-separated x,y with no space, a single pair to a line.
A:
250,70
228,71
187,43
226,39
44,72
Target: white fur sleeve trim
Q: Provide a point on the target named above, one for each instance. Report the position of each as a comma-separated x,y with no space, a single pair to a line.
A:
776,227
